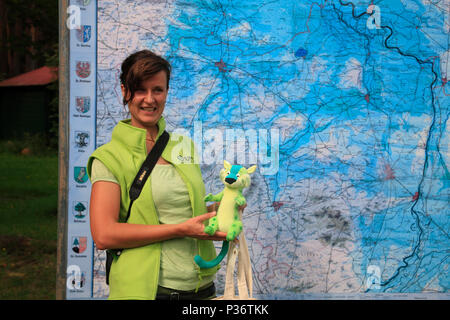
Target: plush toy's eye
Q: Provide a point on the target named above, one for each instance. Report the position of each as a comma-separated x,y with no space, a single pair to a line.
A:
228,172
238,175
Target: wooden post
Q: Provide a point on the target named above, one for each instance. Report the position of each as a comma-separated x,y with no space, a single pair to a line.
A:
63,154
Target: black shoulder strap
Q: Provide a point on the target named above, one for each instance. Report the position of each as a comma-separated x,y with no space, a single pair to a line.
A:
136,188
146,168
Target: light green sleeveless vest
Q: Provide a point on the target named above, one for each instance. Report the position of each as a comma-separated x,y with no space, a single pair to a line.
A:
135,274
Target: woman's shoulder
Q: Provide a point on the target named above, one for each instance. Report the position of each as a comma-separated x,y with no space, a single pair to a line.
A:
108,155
109,150
100,172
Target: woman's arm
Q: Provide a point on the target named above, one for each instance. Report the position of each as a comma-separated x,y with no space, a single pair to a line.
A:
108,233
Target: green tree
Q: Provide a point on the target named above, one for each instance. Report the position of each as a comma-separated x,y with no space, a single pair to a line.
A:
28,33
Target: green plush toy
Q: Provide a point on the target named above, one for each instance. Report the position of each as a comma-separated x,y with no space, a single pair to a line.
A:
235,178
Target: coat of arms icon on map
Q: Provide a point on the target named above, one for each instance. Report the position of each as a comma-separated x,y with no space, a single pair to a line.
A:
80,174
84,33
79,209
79,244
83,104
81,139
83,2
76,278
83,69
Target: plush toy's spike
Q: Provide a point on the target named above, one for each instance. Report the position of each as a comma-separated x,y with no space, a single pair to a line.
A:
209,264
251,169
226,165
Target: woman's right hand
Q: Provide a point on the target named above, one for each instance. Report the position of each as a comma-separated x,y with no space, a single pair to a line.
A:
195,227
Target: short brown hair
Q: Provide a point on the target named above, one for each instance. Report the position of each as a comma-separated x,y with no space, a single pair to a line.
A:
139,67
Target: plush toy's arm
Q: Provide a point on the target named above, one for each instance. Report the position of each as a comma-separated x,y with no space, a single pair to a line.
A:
213,207
240,200
216,197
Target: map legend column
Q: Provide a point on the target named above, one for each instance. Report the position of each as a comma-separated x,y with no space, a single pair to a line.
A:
83,71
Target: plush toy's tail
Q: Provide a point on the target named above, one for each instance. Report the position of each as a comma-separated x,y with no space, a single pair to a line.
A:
209,264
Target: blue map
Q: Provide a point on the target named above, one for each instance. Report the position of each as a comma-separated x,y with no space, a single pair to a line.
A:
344,108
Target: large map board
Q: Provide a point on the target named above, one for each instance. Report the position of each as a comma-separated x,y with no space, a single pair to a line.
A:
342,105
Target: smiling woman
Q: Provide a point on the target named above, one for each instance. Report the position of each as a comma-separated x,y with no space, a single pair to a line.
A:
148,103
165,228
145,83
138,67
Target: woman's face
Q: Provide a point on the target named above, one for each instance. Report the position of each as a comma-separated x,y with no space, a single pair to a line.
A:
149,100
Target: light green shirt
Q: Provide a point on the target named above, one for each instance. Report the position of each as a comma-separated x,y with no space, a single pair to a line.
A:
171,197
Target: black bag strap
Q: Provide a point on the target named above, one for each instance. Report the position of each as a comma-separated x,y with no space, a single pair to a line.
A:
146,168
136,188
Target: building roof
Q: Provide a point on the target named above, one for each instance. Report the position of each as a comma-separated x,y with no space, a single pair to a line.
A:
38,77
